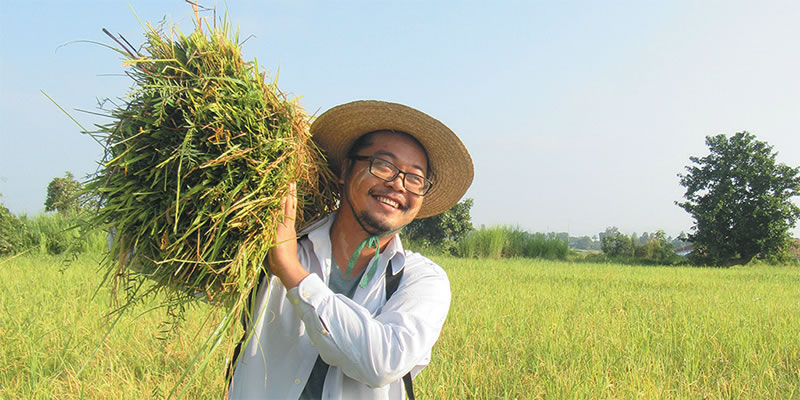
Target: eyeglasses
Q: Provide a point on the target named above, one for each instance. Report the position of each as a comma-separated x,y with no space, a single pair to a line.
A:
388,172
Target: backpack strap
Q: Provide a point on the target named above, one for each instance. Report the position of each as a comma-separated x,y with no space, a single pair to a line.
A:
392,283
392,280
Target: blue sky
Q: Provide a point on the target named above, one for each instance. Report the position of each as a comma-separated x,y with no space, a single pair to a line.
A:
578,114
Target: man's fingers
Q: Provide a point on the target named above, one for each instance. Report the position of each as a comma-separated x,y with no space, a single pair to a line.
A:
289,205
293,195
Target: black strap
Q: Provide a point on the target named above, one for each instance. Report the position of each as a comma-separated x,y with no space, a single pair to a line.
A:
392,283
392,280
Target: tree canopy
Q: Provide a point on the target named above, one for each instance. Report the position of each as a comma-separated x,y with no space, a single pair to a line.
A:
446,228
63,194
9,225
740,199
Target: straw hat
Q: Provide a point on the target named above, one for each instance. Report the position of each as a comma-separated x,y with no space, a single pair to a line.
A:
337,129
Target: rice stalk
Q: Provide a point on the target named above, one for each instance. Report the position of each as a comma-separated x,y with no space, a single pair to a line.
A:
197,158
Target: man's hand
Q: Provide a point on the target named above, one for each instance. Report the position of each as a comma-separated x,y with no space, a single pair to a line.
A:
282,258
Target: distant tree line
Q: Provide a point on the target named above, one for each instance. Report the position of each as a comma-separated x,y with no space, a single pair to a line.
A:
654,248
452,233
596,242
739,196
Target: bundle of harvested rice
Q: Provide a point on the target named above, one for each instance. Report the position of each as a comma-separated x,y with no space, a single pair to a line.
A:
197,160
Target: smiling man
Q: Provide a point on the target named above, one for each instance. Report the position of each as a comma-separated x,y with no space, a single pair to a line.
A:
348,313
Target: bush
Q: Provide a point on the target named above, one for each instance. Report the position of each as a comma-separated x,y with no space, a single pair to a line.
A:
440,233
658,249
618,245
46,234
11,232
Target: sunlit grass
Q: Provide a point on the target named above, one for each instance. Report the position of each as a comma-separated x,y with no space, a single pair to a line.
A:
528,329
517,329
50,325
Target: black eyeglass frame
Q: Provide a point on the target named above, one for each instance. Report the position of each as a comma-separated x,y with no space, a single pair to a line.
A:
398,171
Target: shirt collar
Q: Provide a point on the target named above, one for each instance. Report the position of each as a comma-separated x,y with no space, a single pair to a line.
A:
394,251
319,234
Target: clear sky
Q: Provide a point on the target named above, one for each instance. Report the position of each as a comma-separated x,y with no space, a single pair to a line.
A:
578,114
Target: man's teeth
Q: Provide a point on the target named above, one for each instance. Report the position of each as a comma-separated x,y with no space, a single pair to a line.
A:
389,202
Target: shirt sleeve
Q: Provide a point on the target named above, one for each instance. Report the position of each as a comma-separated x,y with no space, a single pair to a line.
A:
376,349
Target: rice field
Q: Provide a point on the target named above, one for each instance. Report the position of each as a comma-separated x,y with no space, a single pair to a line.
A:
522,329
517,329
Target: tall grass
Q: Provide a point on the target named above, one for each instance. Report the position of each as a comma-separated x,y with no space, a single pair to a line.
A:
517,328
51,323
545,329
509,242
485,242
54,234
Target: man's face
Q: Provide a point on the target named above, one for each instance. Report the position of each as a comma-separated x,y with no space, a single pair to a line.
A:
385,206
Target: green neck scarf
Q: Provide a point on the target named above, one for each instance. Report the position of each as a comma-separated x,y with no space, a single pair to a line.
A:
373,240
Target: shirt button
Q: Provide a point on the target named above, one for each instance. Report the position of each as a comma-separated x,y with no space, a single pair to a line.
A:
324,332
297,381
306,295
294,301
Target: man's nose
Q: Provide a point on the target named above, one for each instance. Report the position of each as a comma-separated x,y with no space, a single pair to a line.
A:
397,183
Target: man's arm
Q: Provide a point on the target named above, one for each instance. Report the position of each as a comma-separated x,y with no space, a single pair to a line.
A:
377,349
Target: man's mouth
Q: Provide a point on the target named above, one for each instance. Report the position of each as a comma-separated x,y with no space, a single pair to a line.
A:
388,201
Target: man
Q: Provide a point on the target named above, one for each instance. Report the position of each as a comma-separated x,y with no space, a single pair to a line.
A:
323,327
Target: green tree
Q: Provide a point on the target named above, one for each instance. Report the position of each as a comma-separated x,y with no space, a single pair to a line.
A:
445,229
659,248
63,195
740,199
11,231
616,244
583,243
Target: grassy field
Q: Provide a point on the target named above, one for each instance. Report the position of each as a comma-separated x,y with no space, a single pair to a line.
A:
517,329
538,329
50,325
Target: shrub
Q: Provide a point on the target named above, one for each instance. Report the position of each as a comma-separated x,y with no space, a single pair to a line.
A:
56,234
46,234
617,245
11,232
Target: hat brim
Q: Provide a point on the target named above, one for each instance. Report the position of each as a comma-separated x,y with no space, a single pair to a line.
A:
337,129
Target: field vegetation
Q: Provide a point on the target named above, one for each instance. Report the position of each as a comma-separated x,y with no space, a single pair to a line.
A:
549,329
52,234
518,328
54,321
494,242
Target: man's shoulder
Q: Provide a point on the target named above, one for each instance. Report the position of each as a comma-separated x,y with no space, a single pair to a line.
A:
321,223
417,263
315,236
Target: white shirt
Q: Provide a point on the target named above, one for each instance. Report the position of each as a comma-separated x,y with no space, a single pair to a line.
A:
369,343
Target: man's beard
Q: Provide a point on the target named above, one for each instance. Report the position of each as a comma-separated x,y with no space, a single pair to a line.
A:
374,227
